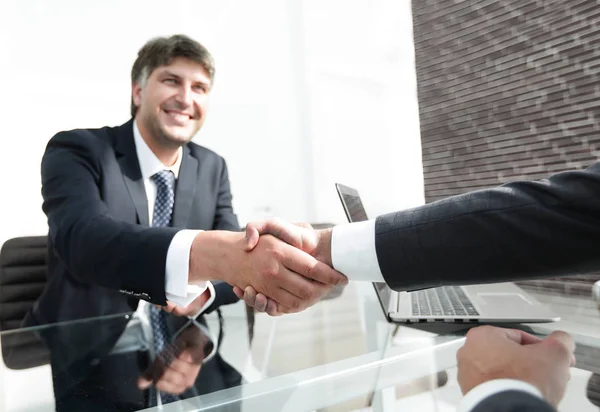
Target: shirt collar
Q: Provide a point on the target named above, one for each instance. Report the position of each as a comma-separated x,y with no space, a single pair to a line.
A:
149,163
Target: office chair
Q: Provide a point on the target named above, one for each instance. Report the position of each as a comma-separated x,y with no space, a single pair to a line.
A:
22,280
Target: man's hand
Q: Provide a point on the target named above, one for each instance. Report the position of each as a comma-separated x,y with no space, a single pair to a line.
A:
299,235
496,353
189,310
287,275
316,243
176,368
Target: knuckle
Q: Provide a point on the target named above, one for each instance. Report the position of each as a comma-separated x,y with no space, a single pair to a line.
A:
559,349
473,332
295,304
271,270
273,223
306,293
313,271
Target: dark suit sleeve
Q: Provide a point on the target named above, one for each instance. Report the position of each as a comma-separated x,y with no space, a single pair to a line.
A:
94,247
518,230
513,401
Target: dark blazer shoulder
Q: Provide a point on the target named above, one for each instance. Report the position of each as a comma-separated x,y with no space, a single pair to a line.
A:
204,153
92,146
98,138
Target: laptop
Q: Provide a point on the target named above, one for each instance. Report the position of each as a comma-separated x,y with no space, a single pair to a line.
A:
487,303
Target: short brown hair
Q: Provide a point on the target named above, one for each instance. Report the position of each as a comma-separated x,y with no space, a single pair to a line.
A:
160,51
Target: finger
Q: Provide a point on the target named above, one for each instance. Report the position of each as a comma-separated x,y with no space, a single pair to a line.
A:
309,267
305,225
169,307
143,383
250,296
171,382
238,292
179,376
288,302
183,364
521,337
261,302
151,374
252,237
564,338
303,292
187,368
272,308
286,232
562,344
184,311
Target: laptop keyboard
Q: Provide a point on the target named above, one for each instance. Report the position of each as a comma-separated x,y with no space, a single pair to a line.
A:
442,301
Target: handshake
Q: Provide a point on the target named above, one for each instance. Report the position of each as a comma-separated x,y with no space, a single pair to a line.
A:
276,266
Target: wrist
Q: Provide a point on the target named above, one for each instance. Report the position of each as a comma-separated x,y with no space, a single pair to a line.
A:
210,255
323,251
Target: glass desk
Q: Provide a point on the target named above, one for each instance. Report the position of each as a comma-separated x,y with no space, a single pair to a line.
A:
340,355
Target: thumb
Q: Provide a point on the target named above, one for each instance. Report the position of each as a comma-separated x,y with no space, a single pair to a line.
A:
559,339
143,383
521,337
238,292
304,225
252,237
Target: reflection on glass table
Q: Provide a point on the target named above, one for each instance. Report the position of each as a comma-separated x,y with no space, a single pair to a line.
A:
340,355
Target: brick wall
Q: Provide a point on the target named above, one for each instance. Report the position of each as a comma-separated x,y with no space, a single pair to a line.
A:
508,90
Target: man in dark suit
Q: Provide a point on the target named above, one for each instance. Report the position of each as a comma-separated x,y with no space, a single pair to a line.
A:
519,230
139,213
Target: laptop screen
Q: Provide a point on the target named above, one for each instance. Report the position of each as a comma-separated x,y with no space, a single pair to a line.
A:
355,212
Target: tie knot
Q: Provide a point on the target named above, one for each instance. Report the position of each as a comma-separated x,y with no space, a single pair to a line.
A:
164,178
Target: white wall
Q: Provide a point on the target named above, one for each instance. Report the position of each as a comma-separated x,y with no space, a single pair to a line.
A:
363,104
68,66
306,94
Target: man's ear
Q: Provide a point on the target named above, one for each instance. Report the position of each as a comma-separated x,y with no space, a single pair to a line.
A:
136,94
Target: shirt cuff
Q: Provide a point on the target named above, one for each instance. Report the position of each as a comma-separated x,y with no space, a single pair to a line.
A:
489,388
177,289
353,251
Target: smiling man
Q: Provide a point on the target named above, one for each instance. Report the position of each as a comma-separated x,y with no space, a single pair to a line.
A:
140,213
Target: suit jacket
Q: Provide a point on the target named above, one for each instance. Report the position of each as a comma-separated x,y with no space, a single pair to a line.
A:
513,401
103,256
518,230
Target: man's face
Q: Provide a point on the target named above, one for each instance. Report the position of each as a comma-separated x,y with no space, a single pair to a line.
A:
173,102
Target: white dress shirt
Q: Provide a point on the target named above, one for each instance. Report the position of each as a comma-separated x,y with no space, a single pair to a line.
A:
177,288
353,253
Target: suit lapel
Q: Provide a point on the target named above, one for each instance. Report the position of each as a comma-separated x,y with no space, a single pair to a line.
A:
185,190
130,167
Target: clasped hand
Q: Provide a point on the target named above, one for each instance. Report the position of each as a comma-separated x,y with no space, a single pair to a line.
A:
276,266
316,244
176,367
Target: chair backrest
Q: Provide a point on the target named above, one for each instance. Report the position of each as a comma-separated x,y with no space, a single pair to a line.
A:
23,275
